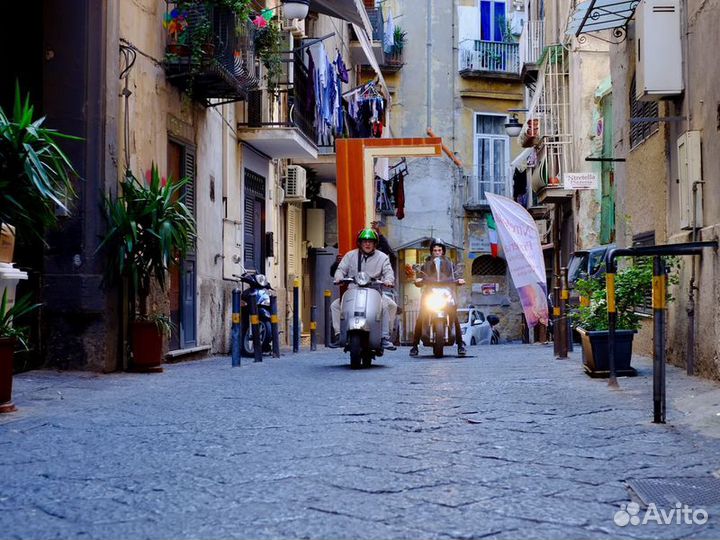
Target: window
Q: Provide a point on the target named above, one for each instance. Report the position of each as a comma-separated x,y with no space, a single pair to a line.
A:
492,155
492,20
642,109
487,265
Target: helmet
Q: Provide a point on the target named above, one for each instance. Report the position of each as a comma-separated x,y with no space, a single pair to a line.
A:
438,242
368,234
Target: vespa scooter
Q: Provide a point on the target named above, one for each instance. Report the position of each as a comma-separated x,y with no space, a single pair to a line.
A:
438,326
361,320
259,287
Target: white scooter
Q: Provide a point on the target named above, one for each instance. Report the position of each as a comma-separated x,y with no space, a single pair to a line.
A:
361,320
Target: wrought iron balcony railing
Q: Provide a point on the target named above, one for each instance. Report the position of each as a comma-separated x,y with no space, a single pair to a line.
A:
489,56
477,186
532,42
210,60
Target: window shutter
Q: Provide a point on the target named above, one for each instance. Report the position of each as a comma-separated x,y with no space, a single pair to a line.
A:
249,233
292,231
189,189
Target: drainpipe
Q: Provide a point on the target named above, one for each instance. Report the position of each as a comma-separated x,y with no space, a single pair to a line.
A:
692,327
428,93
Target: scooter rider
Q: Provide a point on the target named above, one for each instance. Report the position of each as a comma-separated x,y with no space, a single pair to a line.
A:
377,265
439,267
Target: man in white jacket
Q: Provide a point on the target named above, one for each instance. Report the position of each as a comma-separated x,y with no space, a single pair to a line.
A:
366,258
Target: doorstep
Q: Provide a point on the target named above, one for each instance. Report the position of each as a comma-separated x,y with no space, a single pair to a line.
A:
192,353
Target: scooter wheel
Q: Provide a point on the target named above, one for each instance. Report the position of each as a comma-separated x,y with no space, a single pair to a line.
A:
355,351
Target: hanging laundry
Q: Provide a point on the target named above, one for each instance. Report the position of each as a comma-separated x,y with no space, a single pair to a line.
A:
341,68
400,197
389,37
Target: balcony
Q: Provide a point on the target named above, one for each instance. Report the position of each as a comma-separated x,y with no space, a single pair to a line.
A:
532,43
489,58
215,68
393,62
357,53
477,186
281,123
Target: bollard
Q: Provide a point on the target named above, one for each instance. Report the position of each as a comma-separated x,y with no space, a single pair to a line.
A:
328,319
274,326
556,320
659,303
568,322
612,322
562,327
255,325
296,315
313,328
236,329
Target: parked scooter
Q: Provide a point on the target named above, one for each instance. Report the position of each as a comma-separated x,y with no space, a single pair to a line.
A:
493,320
361,320
259,287
438,328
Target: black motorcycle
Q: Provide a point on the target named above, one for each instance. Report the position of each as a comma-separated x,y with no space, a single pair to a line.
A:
259,287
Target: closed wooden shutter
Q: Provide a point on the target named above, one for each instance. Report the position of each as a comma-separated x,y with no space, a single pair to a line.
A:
293,227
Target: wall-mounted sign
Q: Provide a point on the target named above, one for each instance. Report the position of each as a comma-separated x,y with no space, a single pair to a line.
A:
588,180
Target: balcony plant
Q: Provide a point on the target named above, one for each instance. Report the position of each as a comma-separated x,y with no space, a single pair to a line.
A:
268,46
633,287
149,227
11,335
35,174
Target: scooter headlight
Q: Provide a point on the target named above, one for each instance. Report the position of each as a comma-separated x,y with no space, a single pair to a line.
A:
261,279
362,279
436,302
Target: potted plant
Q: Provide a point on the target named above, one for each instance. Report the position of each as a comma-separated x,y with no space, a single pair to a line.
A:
149,227
35,174
11,335
633,286
268,47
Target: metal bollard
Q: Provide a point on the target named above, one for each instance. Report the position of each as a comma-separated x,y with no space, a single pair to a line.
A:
556,320
313,328
568,322
612,323
328,319
562,327
296,315
255,325
274,325
236,329
659,303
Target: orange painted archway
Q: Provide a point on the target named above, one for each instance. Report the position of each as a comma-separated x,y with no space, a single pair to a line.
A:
356,178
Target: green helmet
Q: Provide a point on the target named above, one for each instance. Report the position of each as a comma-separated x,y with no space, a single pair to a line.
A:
367,234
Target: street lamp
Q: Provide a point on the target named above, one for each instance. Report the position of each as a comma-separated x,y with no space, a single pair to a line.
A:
295,9
513,127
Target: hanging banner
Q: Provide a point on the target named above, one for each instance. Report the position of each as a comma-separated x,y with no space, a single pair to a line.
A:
520,241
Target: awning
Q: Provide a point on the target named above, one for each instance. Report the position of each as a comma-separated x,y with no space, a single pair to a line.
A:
352,11
424,243
596,15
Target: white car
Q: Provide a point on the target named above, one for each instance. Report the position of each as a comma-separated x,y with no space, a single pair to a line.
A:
475,329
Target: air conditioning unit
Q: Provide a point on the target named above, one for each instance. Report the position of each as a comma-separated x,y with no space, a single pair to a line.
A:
658,50
295,182
689,154
295,26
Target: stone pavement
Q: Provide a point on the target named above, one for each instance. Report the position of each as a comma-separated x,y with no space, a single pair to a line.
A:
510,443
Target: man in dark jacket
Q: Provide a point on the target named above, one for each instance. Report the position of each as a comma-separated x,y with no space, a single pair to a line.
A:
437,267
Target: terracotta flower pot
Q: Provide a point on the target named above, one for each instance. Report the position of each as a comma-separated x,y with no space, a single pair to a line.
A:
7,351
147,344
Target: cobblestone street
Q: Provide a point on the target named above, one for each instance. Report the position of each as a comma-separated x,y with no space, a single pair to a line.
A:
510,443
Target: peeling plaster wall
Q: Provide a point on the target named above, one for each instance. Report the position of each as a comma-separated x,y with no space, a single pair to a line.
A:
589,66
152,103
648,193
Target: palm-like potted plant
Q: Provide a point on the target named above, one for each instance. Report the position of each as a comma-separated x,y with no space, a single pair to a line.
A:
149,226
633,287
11,335
35,174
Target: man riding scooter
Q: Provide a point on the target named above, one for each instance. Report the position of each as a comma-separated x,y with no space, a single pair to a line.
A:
437,268
366,258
